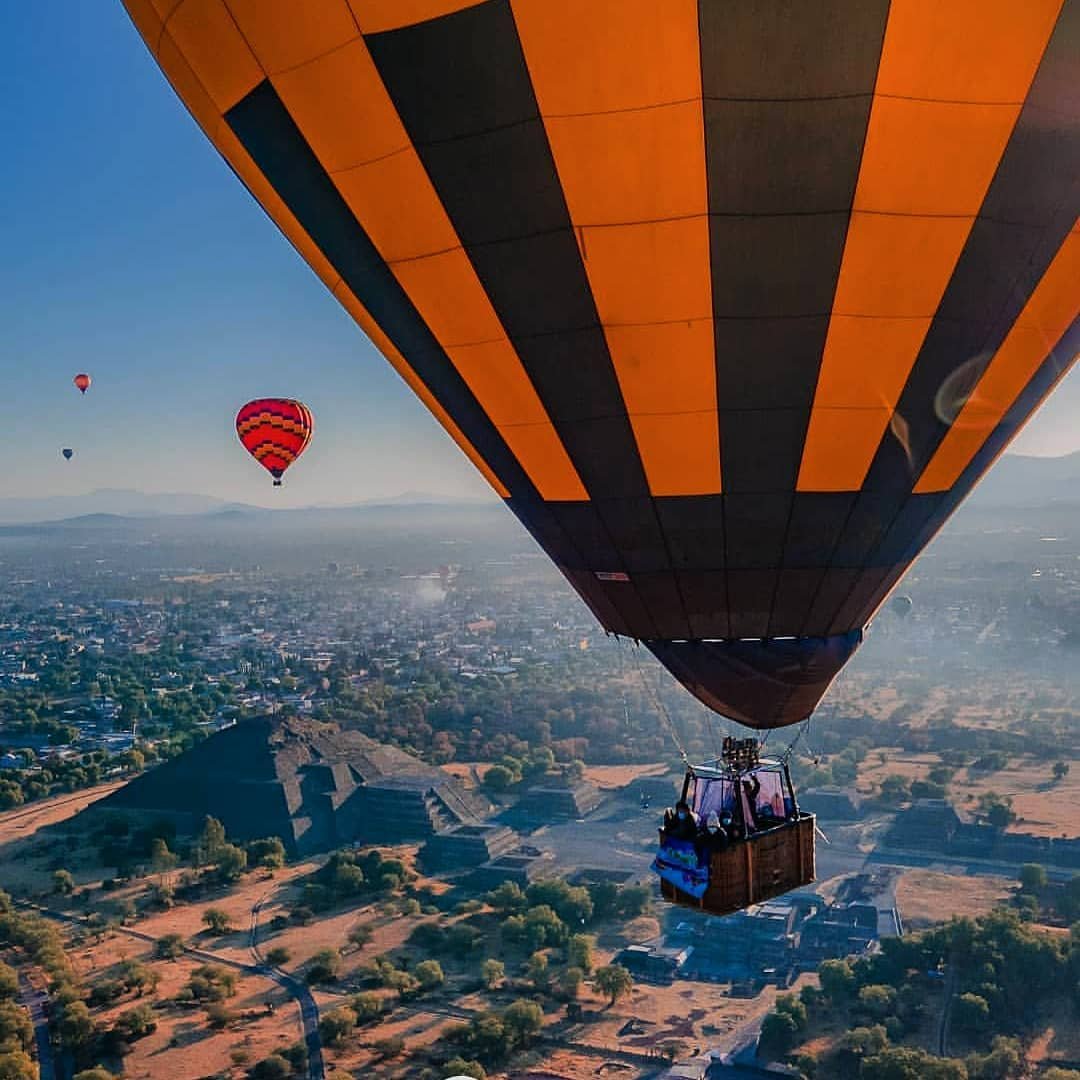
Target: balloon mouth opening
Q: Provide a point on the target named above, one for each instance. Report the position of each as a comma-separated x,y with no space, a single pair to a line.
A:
277,483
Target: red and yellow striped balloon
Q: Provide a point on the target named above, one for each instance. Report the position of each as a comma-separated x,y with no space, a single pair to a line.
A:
275,432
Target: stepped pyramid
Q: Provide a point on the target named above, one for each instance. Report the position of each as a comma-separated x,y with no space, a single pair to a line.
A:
311,784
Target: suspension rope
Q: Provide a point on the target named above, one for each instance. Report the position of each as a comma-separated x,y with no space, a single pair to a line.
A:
660,707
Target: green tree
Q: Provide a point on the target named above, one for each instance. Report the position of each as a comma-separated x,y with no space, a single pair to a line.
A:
9,982
498,778
837,979
492,972
161,858
324,966
169,947
1032,878
360,934
971,1014
63,883
579,951
366,1007
335,1025
231,862
570,980
522,1020
507,898
17,1065
778,1035
96,1073
537,970
211,840
429,974
459,1066
217,921
274,1067
278,955
75,1028
1061,770
136,1023
613,981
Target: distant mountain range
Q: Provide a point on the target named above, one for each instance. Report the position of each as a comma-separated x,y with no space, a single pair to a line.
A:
113,503
1014,482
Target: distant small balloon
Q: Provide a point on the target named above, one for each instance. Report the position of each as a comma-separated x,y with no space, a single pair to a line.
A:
275,432
68,452
82,381
902,605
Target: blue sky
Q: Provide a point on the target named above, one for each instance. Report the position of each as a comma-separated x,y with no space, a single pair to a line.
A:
130,251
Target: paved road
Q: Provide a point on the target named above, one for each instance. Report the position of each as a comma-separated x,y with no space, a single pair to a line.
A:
33,1001
309,1010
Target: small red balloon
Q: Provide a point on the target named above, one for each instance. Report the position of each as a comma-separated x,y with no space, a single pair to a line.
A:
82,381
275,432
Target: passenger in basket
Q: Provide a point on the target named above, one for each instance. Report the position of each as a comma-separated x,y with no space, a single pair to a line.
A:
714,837
680,823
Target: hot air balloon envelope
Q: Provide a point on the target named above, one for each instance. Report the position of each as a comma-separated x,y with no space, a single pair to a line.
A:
82,381
275,432
689,282
67,452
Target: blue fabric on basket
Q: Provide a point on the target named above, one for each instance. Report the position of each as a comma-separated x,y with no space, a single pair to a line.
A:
677,863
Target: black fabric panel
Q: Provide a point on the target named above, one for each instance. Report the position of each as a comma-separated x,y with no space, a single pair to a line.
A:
704,595
868,522
755,527
267,132
779,266
588,588
532,199
763,684
490,87
836,586
856,608
750,597
693,527
635,532
623,596
908,524
545,529
760,449
569,371
581,521
497,180
790,48
803,155
769,363
795,593
605,455
1029,208
817,522
660,595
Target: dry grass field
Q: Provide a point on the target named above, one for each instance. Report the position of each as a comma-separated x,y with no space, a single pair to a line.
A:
926,897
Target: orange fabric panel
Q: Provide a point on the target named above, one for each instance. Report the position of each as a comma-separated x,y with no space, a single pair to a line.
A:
494,375
925,170
205,33
164,8
187,85
607,55
654,272
833,458
541,454
869,360
926,157
964,50
341,105
642,165
447,292
680,451
897,266
377,15
148,19
663,368
1051,309
366,323
635,184
284,34
396,201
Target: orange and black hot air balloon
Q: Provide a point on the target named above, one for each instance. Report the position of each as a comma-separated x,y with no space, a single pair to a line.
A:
275,432
732,303
82,382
